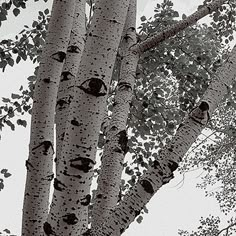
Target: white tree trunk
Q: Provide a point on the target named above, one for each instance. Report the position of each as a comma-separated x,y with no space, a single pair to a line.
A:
69,72
74,174
174,29
161,172
41,148
66,92
115,146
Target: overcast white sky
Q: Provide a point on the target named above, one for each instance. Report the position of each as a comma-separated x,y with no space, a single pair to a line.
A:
172,208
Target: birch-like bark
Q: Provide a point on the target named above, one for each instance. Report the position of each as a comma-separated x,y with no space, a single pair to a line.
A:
41,148
66,90
69,72
161,172
75,170
174,29
115,146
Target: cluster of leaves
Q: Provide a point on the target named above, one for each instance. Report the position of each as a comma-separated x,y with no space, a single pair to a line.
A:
223,20
171,79
5,174
210,226
27,45
18,104
15,5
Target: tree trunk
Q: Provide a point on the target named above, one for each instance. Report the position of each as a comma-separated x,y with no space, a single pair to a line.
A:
41,148
115,147
74,172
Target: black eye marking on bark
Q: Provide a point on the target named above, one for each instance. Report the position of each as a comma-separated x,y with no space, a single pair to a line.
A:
58,185
172,165
167,179
75,122
87,233
147,186
82,163
94,86
200,114
73,49
137,212
61,102
48,229
59,56
123,141
66,75
49,177
86,200
124,85
46,80
75,176
46,145
28,165
70,219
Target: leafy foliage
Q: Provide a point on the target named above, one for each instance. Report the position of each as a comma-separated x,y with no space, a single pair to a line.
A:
5,174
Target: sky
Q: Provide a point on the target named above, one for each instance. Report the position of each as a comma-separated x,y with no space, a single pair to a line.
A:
173,207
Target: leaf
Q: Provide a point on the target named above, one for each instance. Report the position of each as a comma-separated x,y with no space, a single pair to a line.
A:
15,96
16,11
6,100
10,124
10,61
7,175
1,184
46,11
32,78
21,122
139,219
143,18
184,16
3,171
18,59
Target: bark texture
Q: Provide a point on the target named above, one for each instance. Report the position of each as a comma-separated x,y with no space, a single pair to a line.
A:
72,183
41,148
115,147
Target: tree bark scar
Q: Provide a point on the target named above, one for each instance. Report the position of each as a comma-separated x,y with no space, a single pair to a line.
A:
28,165
94,86
58,185
59,56
82,163
147,186
70,219
65,76
73,49
172,165
48,229
86,200
123,141
46,145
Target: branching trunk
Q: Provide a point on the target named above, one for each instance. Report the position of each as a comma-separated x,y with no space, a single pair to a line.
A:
161,172
115,147
174,29
41,148
74,171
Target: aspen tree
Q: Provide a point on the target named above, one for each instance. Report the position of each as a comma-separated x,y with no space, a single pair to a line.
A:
41,147
115,147
74,172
